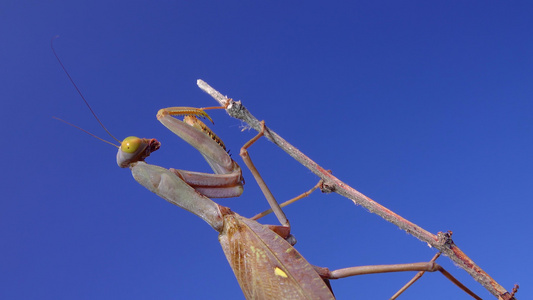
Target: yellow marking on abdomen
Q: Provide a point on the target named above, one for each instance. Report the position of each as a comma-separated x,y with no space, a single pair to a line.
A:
280,272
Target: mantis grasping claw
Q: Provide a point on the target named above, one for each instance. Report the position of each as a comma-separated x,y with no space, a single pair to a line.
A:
266,264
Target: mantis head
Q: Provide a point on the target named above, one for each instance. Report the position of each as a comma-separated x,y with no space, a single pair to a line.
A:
134,149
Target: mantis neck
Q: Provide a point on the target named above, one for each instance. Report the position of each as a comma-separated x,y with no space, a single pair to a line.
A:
171,188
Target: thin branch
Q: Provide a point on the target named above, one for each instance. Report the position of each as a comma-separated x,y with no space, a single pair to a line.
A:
442,241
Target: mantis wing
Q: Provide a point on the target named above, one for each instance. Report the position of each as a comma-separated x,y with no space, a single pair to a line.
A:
267,266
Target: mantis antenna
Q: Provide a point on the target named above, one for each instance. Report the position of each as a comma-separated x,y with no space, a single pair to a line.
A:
83,98
91,134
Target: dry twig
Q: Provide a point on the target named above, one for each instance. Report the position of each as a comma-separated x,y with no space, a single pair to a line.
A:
442,241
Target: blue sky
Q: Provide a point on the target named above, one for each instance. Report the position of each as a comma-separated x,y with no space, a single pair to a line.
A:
423,106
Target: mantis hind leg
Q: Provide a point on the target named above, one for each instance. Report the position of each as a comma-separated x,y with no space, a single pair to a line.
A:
421,267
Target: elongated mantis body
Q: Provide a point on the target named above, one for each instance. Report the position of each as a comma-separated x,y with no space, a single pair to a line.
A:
262,257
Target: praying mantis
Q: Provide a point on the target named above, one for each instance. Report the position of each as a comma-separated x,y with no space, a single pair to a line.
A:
262,257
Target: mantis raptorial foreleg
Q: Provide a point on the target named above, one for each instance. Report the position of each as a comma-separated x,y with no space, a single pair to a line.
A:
227,180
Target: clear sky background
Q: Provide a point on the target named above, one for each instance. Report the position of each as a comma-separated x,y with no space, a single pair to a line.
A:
423,106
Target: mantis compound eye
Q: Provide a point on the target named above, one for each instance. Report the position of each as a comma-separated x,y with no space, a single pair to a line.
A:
131,144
